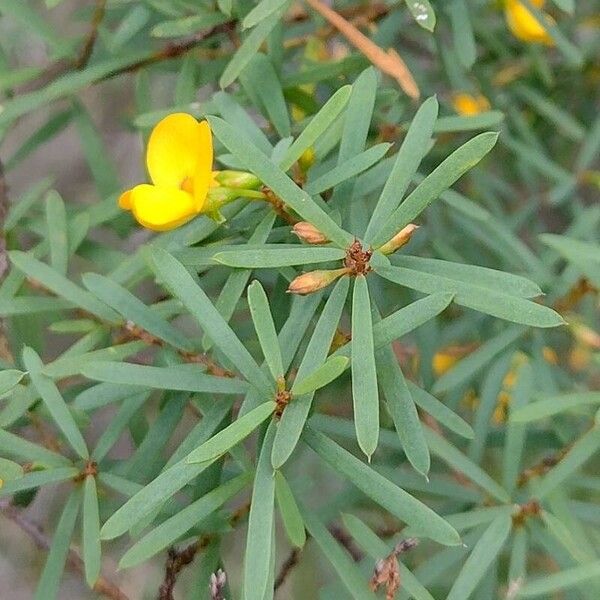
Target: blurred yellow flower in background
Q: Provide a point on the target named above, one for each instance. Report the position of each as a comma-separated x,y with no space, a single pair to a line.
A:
179,159
469,104
525,25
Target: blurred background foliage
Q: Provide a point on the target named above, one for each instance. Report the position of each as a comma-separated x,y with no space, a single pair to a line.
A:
488,411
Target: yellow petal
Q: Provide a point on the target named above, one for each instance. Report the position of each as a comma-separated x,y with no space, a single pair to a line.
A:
468,105
524,25
125,200
203,176
161,208
175,149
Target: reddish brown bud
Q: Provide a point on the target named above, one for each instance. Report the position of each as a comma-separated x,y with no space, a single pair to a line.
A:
308,233
307,283
400,239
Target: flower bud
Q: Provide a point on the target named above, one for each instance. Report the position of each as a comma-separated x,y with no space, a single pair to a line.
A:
307,283
307,159
238,179
308,233
400,239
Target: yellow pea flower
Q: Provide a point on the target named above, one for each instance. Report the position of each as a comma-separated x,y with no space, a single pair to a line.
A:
525,25
469,105
179,158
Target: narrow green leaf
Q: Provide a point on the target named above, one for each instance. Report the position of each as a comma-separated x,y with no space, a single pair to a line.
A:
250,47
402,408
365,395
181,283
441,178
548,407
446,452
290,513
8,379
56,219
36,479
330,370
265,328
413,149
353,580
422,13
296,412
49,582
261,11
170,530
484,553
317,126
90,537
548,584
392,498
232,434
54,402
352,167
278,181
257,558
476,361
61,286
134,310
18,447
277,255
462,32
459,123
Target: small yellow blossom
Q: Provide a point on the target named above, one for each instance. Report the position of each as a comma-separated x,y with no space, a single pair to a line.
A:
179,160
525,25
469,104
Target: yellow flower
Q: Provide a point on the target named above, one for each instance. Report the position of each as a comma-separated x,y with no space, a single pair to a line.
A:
469,105
525,25
179,160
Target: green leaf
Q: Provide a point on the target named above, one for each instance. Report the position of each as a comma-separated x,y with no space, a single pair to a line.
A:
54,402
170,530
355,165
439,411
290,513
440,179
568,578
554,405
348,572
151,497
90,538
476,361
446,452
583,255
265,328
462,32
581,451
19,209
8,379
49,582
257,558
317,126
459,123
182,285
477,297
134,310
187,25
56,219
187,377
278,181
483,554
18,447
261,11
422,13
250,47
413,149
402,408
330,370
390,497
61,286
296,412
277,255
36,479
232,434
365,395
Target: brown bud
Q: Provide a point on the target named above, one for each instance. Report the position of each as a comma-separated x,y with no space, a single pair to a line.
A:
307,283
308,233
400,239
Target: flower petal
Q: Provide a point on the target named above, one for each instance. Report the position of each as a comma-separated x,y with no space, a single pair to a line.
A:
203,176
174,150
125,200
524,24
161,208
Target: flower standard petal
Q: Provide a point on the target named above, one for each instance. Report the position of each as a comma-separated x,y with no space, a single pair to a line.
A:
203,175
173,150
161,208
